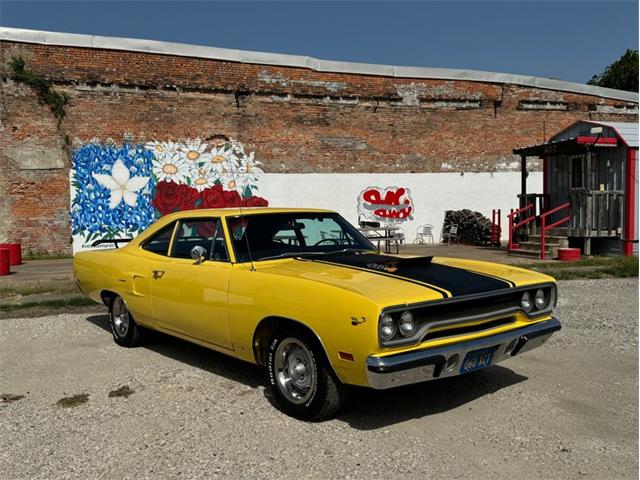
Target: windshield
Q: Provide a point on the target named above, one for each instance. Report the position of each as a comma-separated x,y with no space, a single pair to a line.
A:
277,235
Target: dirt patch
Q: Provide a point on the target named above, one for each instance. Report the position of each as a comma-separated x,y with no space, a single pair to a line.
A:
123,391
10,397
73,401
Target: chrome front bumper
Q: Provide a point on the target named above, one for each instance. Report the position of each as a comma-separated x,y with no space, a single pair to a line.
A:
422,365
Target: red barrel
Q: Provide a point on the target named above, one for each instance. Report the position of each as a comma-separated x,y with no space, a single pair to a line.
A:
569,254
15,253
4,262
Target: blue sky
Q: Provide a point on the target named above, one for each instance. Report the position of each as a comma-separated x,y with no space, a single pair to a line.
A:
569,40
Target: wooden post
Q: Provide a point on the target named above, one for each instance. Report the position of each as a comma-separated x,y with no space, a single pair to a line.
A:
587,182
523,180
511,242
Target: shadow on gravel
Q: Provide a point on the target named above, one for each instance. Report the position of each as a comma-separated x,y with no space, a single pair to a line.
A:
366,409
369,409
195,355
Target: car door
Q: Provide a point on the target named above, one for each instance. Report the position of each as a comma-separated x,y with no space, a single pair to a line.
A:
153,252
190,296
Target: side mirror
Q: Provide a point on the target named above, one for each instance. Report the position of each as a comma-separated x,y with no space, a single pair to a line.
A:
198,253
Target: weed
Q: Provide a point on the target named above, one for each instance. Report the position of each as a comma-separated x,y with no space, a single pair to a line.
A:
38,288
58,303
73,401
43,87
123,391
593,267
43,255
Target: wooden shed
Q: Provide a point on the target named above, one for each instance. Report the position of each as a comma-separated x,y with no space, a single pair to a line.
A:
590,194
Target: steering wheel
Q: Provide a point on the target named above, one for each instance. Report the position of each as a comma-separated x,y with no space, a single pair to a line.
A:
335,241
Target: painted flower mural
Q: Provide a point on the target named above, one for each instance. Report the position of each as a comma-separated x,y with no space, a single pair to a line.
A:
119,191
121,184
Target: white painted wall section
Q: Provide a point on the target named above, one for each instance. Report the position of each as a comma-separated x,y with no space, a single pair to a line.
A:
432,193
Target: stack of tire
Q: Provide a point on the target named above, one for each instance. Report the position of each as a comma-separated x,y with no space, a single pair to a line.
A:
473,227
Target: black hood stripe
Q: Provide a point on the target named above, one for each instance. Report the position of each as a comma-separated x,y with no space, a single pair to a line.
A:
446,280
444,293
511,284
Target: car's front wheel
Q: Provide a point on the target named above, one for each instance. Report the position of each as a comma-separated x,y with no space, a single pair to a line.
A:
125,330
302,382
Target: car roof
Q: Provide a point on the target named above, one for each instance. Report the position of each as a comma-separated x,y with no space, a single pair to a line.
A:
225,212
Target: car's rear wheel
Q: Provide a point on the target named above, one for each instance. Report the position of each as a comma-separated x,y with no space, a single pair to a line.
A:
302,382
125,330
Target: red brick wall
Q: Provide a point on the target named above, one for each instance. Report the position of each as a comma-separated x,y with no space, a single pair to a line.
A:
296,120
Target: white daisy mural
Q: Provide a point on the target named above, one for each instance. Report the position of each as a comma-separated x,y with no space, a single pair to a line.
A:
193,150
220,161
162,148
201,178
250,169
171,168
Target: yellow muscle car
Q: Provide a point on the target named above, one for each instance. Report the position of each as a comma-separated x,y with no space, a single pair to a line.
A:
304,294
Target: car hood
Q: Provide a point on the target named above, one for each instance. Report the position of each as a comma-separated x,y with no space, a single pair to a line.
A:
394,279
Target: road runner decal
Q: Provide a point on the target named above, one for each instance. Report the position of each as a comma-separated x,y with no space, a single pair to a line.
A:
447,280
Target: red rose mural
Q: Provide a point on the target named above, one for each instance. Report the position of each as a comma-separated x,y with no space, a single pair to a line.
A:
167,198
188,198
212,197
232,198
254,201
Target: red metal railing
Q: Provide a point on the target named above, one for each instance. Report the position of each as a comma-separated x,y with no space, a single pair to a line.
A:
496,227
513,228
544,228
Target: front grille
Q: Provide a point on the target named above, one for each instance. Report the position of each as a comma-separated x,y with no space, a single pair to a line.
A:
475,328
445,318
476,307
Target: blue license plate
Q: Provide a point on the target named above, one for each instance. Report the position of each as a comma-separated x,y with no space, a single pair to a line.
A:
477,359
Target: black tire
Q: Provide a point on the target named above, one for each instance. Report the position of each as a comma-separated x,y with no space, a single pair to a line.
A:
124,329
325,394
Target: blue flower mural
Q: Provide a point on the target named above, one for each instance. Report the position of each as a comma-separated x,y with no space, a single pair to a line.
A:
103,174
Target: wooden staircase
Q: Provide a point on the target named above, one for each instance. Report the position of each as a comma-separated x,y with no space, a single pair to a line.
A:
531,248
538,238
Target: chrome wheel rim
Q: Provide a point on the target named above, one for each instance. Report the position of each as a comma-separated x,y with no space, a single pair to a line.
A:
120,317
295,371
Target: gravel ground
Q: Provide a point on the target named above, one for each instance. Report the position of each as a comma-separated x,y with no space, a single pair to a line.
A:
566,410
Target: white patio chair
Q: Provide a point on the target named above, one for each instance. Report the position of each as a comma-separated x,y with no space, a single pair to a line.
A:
424,234
451,234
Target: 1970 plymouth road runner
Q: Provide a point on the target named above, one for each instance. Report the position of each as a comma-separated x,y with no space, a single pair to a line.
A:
304,294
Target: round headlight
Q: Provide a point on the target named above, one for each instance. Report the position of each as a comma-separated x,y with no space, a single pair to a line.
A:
540,299
407,324
525,303
387,327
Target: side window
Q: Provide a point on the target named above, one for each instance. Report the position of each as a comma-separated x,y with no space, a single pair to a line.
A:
204,232
159,243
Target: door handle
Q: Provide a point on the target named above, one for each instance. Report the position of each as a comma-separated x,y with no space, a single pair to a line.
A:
157,274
